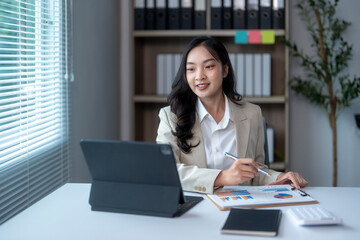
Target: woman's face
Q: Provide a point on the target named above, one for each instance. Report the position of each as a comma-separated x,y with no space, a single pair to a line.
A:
204,73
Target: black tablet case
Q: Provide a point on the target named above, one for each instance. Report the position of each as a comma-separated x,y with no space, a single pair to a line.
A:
120,185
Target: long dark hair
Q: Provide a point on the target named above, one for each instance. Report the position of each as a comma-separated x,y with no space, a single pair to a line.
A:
183,100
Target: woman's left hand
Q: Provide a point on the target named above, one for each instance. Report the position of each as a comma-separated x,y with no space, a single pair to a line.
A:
292,178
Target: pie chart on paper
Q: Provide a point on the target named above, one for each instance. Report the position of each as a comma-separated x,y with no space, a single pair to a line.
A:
283,196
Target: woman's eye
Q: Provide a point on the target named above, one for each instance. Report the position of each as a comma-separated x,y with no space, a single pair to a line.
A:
190,69
210,66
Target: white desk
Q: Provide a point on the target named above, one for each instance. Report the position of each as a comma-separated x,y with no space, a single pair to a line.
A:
66,215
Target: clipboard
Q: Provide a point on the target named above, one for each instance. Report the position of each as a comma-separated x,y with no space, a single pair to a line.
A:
259,197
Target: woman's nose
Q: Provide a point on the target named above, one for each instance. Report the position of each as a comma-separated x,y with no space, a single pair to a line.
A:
200,75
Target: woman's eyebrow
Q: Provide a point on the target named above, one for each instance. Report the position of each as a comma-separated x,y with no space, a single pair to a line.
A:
205,61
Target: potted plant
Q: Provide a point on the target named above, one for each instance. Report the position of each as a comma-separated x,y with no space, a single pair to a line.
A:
325,84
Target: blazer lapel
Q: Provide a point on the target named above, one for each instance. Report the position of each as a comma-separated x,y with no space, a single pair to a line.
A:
198,153
242,129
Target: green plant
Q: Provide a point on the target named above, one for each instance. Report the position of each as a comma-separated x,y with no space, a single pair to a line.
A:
326,83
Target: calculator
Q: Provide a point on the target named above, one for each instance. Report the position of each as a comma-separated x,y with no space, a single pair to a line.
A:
312,216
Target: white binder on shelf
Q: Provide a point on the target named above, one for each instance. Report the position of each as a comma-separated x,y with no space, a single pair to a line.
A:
249,76
169,72
160,74
257,75
176,65
240,73
232,57
266,74
270,141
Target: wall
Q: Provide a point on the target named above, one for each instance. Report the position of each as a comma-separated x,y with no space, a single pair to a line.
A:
310,133
95,91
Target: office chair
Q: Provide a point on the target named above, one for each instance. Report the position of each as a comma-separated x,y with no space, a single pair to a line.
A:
266,149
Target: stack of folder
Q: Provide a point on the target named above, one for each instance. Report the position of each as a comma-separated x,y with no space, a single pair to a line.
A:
252,73
169,14
224,14
167,65
247,14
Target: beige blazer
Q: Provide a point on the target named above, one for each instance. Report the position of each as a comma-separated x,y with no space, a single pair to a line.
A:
192,168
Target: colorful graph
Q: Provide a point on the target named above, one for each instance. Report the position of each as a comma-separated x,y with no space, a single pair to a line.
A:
224,194
241,192
247,197
232,193
276,190
225,199
283,196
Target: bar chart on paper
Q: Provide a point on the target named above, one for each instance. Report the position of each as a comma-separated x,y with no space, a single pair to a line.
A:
234,195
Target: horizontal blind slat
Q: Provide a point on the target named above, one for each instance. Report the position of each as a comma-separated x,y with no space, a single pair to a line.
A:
27,111
19,97
50,60
31,11
28,145
23,91
21,39
14,139
27,85
36,148
30,79
44,98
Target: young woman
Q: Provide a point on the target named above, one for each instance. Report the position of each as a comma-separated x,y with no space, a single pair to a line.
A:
207,118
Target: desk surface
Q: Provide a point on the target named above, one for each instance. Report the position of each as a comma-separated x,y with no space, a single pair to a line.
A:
66,214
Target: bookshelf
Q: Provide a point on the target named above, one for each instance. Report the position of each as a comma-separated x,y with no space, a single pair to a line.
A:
146,44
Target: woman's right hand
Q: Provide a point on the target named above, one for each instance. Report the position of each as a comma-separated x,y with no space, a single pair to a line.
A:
243,169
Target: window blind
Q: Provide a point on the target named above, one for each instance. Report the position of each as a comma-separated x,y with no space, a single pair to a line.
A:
34,119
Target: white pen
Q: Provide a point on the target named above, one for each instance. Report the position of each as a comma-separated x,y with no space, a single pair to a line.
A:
236,158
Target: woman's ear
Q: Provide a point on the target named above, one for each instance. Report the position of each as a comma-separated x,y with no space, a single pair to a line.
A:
225,70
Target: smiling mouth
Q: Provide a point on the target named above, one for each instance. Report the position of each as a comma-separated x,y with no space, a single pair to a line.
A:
202,85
